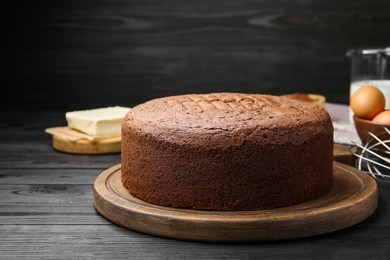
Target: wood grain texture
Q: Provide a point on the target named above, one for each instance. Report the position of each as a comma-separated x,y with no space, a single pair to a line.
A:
83,146
42,155
353,198
47,212
87,242
50,176
93,53
48,196
98,53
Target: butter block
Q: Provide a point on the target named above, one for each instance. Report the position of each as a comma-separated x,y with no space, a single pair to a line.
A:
98,122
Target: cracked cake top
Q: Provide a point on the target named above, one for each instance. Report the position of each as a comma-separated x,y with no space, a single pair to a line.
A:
236,117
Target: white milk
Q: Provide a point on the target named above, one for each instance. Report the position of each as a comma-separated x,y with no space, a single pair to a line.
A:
383,85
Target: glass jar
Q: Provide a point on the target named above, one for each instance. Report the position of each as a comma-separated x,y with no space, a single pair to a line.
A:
370,67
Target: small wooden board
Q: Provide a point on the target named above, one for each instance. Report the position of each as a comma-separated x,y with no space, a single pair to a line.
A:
71,141
344,154
352,199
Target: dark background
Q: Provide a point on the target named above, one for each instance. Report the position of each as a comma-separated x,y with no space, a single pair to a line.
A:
84,54
62,55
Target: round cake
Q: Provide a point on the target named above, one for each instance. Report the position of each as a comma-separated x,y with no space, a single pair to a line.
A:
227,151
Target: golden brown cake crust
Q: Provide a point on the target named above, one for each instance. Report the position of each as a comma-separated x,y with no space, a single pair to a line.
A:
227,151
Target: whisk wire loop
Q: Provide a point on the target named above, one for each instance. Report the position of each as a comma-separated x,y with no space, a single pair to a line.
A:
374,156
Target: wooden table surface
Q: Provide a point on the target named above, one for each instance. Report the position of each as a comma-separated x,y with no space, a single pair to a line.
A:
47,212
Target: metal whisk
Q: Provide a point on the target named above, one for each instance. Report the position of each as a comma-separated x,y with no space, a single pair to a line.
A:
374,156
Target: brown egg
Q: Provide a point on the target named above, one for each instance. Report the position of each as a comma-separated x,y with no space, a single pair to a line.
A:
367,102
382,117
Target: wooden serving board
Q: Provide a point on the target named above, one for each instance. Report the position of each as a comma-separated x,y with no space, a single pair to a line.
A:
71,141
352,199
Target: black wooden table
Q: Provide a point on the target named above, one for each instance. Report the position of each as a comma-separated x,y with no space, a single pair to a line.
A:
46,210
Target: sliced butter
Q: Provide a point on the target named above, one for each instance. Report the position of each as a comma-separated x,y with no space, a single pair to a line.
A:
98,122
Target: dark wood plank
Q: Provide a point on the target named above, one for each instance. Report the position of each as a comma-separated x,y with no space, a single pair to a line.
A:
41,155
56,224
46,195
48,176
48,204
23,214
109,241
98,53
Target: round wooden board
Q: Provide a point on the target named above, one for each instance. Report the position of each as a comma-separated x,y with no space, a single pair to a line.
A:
352,199
83,146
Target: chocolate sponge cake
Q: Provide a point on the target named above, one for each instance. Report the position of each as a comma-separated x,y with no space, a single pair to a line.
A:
227,151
